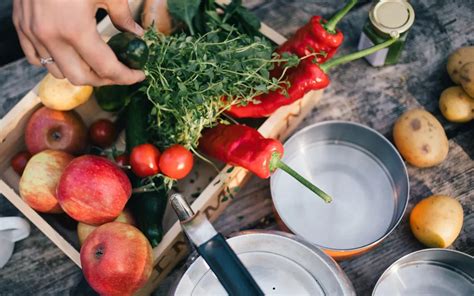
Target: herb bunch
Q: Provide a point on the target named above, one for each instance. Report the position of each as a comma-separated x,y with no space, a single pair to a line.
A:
192,80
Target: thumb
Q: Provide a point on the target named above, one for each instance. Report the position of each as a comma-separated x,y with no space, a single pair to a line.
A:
121,17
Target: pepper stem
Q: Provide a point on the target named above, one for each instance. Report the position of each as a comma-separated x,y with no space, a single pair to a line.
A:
357,55
276,162
330,26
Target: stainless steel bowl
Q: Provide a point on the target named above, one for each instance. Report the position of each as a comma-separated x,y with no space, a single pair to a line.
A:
280,263
431,272
360,169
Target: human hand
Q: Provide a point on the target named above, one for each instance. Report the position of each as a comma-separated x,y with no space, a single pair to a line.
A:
65,30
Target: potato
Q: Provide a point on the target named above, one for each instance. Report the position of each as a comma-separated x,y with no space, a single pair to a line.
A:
467,78
457,59
420,138
60,94
456,105
436,221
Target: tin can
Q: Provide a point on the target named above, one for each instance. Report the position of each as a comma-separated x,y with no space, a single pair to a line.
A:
429,272
360,169
281,264
387,18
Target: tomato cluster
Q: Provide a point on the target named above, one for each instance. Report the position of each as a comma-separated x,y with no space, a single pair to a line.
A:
175,162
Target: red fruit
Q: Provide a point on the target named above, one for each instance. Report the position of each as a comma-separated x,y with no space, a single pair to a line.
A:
176,162
93,190
144,160
40,179
122,160
116,259
103,133
57,130
19,161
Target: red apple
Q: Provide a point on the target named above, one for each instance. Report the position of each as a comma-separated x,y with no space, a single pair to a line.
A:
19,161
83,230
40,178
58,130
116,259
93,190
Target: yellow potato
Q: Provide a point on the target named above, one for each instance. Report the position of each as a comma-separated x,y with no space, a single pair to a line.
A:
436,221
467,78
457,59
420,138
60,94
456,105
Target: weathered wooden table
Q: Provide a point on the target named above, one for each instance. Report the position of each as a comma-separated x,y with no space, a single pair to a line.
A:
359,93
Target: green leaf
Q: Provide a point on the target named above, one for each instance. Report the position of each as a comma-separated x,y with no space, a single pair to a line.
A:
184,10
248,18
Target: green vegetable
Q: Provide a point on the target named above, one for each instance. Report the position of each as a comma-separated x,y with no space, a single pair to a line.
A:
112,98
240,17
192,80
129,49
184,10
148,208
201,16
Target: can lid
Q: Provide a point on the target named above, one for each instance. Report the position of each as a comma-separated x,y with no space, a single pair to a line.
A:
392,17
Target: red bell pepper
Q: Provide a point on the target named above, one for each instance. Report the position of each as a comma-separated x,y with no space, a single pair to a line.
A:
244,146
307,76
317,36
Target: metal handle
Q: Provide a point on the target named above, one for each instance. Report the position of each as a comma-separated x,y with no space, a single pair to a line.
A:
181,207
213,248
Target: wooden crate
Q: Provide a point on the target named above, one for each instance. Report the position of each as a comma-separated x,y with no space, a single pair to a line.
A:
215,189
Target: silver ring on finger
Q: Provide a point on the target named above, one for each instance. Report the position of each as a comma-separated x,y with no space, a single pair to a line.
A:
46,61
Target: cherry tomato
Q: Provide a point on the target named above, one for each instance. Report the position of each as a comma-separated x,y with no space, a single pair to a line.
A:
144,160
176,162
103,133
19,161
122,160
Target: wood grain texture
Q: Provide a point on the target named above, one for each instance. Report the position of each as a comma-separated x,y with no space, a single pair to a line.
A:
358,92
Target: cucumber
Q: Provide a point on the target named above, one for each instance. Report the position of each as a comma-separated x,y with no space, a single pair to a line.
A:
112,98
148,208
129,49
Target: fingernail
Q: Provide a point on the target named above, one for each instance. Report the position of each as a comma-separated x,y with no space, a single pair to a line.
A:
139,30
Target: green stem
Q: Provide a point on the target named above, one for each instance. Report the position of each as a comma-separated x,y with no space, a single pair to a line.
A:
276,162
357,55
330,26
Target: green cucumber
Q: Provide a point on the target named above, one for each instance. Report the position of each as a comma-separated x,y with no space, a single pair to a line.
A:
129,49
148,208
112,98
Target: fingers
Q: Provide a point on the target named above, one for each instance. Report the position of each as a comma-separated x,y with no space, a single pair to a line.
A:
121,16
78,51
32,47
74,67
25,43
103,61
44,53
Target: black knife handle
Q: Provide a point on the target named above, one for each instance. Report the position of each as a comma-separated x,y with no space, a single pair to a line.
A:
228,268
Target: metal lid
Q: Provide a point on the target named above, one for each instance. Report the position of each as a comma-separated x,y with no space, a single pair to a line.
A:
392,17
428,272
280,263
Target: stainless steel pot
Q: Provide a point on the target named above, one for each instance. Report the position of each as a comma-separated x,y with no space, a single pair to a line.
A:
431,272
360,169
280,263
